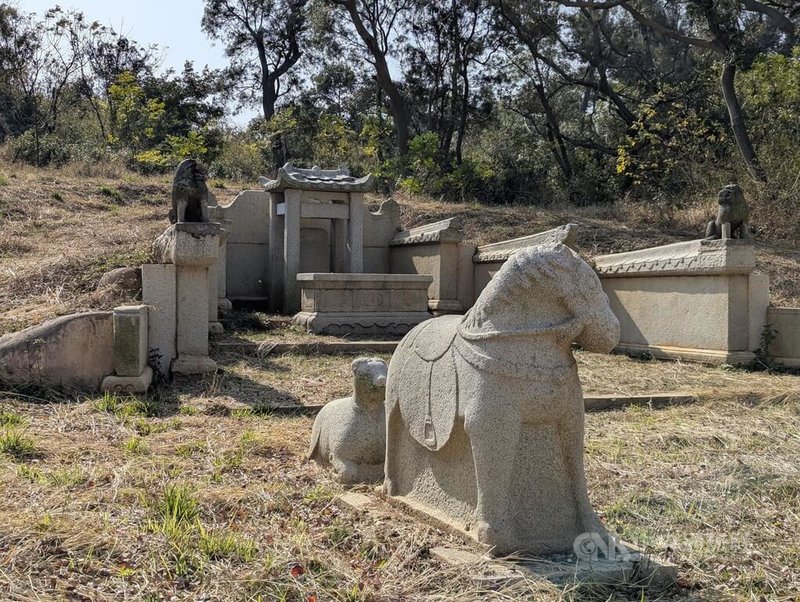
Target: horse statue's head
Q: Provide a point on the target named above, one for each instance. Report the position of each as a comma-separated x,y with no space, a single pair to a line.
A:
545,289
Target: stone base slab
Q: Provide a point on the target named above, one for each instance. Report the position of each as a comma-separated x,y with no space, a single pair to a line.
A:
787,362
128,384
707,356
625,565
636,569
193,364
360,323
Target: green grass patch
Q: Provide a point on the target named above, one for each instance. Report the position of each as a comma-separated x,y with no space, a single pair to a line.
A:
134,446
127,406
17,445
178,505
9,418
111,193
225,545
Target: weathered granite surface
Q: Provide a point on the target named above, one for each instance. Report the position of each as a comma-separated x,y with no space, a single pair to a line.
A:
190,197
485,411
732,215
698,300
362,304
349,434
70,351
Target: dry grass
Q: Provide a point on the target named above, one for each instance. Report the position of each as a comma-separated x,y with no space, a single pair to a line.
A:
199,492
61,230
713,485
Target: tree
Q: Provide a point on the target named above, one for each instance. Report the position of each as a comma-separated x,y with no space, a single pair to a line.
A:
374,22
736,31
446,40
20,42
274,30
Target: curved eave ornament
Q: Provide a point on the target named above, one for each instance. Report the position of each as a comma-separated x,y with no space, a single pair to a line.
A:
327,180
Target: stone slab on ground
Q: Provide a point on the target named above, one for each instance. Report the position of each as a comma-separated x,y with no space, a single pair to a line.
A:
597,403
355,501
628,567
637,569
593,403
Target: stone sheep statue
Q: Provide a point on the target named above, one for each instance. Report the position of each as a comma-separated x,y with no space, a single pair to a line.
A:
189,193
350,433
732,216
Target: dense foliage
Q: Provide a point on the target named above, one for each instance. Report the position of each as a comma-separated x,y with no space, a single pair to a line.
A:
502,101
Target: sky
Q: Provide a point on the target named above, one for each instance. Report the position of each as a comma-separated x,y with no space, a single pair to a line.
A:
174,25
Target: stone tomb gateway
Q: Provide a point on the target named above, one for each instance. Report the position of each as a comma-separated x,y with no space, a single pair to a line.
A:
332,204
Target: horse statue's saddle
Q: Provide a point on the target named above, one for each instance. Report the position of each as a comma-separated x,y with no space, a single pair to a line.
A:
429,380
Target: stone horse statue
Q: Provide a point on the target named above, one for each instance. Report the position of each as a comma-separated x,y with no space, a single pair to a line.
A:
485,411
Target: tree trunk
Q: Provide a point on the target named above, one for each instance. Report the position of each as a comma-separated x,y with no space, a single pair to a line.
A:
267,81
462,118
738,124
557,146
397,103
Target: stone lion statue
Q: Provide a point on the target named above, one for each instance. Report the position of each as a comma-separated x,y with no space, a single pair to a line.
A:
189,193
732,216
349,434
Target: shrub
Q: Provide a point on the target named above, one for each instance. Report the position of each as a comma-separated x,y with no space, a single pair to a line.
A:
39,149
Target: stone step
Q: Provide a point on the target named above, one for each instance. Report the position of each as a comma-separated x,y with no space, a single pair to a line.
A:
314,347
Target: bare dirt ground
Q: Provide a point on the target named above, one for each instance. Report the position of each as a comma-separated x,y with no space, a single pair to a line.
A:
60,232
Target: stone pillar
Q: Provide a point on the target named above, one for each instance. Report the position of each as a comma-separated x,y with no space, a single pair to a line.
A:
291,250
276,222
340,261
223,304
355,233
192,247
131,372
159,294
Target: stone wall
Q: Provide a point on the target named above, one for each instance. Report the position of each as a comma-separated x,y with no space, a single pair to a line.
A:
247,248
785,349
697,300
75,351
437,249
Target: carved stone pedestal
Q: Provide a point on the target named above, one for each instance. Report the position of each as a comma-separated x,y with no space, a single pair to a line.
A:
131,372
192,248
362,304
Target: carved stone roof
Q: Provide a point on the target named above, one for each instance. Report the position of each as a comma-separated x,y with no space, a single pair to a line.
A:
500,251
694,257
323,180
443,231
